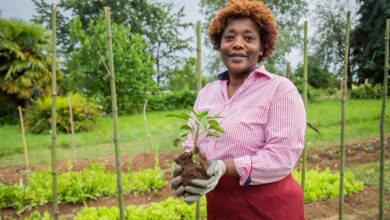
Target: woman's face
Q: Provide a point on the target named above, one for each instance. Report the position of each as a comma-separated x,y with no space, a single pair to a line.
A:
240,46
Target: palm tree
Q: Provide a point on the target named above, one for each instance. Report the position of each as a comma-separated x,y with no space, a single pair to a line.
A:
24,59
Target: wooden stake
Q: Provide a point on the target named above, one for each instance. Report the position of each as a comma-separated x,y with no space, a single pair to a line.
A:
198,56
53,112
288,70
382,124
24,138
72,130
343,118
114,112
305,103
146,127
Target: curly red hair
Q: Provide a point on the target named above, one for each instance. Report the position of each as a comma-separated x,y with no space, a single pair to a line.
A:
256,11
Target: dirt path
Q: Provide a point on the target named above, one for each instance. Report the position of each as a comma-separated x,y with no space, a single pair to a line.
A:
356,154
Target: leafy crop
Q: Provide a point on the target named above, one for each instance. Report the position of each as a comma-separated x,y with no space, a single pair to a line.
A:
199,126
76,187
326,185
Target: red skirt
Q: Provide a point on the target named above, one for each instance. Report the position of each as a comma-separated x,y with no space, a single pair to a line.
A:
280,200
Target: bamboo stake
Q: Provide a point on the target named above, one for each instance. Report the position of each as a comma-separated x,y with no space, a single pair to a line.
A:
146,127
53,112
288,70
24,138
114,111
199,82
343,118
72,130
198,56
382,124
305,102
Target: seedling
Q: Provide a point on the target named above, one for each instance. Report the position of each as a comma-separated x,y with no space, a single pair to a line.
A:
199,126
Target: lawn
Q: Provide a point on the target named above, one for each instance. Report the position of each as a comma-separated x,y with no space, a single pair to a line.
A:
362,123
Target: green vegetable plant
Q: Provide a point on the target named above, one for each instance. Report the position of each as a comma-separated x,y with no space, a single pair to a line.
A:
199,127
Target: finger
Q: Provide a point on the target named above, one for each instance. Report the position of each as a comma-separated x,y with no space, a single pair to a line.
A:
176,182
196,190
212,168
179,191
177,171
204,183
191,199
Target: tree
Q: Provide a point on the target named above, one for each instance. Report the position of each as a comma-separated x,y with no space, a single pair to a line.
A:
367,40
183,77
318,76
25,63
287,13
156,22
88,75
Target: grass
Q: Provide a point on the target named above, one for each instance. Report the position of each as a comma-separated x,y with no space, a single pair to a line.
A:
362,123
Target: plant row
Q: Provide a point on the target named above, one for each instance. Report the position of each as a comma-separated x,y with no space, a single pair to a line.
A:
76,187
319,186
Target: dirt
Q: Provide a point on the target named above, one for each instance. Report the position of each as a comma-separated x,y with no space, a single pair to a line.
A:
356,154
192,170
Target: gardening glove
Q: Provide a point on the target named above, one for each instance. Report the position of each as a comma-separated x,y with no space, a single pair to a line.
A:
216,170
190,198
176,181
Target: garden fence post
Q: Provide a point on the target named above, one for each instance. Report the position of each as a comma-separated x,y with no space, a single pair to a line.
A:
343,118
53,112
24,138
114,112
382,123
72,130
305,103
288,70
199,82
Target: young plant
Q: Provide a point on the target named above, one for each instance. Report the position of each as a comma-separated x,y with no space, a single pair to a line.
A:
199,127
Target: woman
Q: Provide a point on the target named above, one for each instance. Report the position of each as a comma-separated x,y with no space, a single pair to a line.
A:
264,119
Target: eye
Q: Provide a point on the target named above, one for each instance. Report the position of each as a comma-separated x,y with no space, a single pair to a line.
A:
229,37
249,38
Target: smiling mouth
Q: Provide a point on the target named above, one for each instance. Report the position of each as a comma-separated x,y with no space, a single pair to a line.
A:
238,55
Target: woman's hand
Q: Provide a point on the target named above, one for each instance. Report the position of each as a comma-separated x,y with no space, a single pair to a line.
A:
200,187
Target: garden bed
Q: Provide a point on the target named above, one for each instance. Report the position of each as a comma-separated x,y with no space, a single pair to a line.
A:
357,153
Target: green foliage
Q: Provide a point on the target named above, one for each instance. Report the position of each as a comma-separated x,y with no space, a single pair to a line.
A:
318,77
326,185
38,117
169,209
367,91
25,62
183,77
133,66
36,215
76,187
367,40
171,101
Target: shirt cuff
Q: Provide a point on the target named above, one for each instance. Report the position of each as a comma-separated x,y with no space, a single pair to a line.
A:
244,169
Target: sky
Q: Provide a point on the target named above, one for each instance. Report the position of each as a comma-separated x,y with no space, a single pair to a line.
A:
25,10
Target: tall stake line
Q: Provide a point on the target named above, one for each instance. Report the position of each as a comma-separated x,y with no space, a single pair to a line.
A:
305,102
53,111
198,82
382,125
343,118
114,111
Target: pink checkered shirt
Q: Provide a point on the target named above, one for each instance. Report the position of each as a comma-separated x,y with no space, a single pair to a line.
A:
264,121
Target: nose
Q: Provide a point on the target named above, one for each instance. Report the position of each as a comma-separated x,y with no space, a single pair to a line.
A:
238,43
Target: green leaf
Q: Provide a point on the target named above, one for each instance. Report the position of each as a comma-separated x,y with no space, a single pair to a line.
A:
217,128
182,116
195,159
213,122
217,116
176,142
203,125
203,114
186,127
183,133
193,111
214,134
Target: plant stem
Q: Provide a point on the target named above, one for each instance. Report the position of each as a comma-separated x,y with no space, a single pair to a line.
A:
305,103
24,138
146,127
382,124
343,118
72,129
53,111
114,112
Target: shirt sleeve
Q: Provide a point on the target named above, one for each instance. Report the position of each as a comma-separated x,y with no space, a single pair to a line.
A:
284,142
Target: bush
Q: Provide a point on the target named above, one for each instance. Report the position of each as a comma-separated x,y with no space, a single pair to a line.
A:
38,115
367,91
172,101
